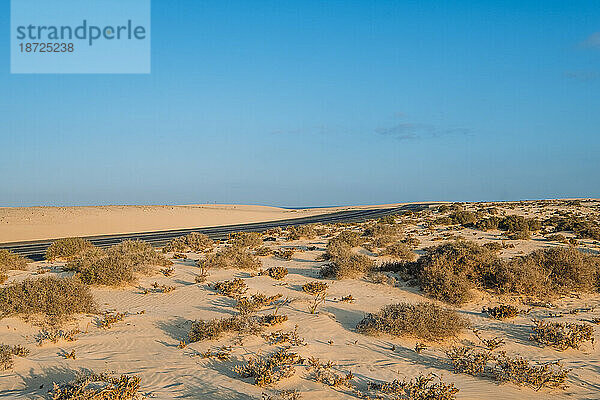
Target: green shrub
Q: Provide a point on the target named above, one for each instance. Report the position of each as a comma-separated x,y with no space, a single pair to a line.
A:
424,321
11,261
67,249
56,298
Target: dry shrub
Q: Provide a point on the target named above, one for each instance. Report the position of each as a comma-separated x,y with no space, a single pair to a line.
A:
215,328
270,369
252,304
503,311
281,337
263,251
347,267
231,257
450,271
67,249
118,265
272,319
302,231
233,288
195,241
400,251
275,272
550,272
92,386
557,237
463,217
424,321
382,234
11,261
315,287
423,387
7,354
562,336
246,240
285,254
55,298
502,368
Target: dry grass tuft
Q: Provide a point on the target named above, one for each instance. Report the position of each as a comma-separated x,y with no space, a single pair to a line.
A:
92,386
562,336
196,242
10,261
55,298
424,321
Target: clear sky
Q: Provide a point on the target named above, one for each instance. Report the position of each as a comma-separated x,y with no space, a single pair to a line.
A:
306,103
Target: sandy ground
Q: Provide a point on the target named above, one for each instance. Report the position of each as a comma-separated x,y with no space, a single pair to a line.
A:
146,344
35,223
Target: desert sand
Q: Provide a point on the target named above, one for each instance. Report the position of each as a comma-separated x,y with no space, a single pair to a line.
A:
146,342
35,223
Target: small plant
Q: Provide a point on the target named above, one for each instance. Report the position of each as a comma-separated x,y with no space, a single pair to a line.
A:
222,353
562,336
316,302
503,311
270,369
67,249
69,355
347,299
315,287
55,335
424,321
400,251
422,387
162,288
215,328
247,240
275,272
7,354
249,305
94,386
324,373
231,257
233,288
490,344
285,254
272,319
107,321
263,251
167,271
281,337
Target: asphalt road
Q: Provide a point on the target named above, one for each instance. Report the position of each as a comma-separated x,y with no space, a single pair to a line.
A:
35,250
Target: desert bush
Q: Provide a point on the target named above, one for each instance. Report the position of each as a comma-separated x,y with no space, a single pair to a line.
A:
423,387
11,261
285,254
557,237
463,217
382,233
7,354
270,369
55,298
315,287
252,304
275,272
424,321
263,251
192,242
215,328
247,240
67,249
346,267
302,231
233,288
443,221
502,368
486,224
400,251
562,336
548,272
503,311
118,265
92,386
450,271
231,257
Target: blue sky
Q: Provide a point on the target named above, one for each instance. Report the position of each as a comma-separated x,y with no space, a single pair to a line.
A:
306,103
